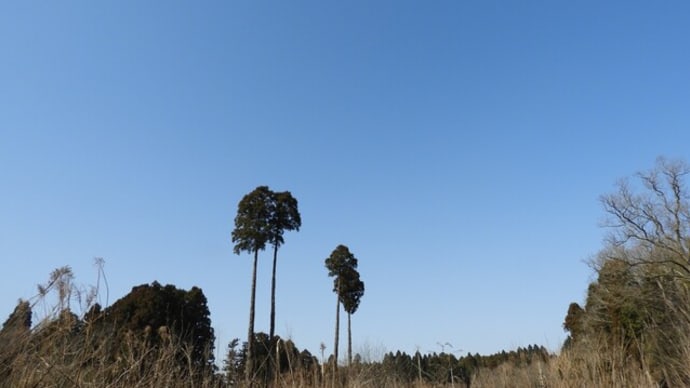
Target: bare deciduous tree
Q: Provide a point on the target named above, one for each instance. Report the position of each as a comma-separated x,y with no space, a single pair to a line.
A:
653,225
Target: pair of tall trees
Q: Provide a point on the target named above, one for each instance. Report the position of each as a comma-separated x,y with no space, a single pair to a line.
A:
349,289
262,218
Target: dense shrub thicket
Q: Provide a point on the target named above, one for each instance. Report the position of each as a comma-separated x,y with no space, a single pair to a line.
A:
154,336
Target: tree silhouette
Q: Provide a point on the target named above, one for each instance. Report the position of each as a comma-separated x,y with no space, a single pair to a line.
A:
250,235
339,264
14,336
162,312
232,364
284,216
351,294
19,320
573,323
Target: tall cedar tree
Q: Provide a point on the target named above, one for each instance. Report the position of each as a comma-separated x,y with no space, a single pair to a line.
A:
339,263
351,294
251,233
284,216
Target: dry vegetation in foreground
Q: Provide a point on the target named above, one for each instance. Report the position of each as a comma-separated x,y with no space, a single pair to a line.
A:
62,352
51,359
99,350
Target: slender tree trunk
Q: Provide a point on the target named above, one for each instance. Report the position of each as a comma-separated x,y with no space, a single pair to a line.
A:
337,332
349,341
249,367
277,366
273,293
272,367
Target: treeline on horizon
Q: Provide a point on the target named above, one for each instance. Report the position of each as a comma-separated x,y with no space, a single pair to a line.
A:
633,329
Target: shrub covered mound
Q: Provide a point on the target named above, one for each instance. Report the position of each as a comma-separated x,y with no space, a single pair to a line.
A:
154,336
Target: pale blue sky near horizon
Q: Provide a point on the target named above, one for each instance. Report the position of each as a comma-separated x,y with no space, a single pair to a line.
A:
458,149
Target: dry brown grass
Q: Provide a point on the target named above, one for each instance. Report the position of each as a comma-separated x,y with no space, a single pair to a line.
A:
54,361
64,351
53,356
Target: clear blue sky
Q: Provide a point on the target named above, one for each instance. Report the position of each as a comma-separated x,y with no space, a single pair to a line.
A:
457,147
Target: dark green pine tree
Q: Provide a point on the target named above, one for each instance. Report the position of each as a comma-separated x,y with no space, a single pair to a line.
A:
250,235
162,312
14,337
19,320
232,363
573,323
338,264
284,216
351,294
